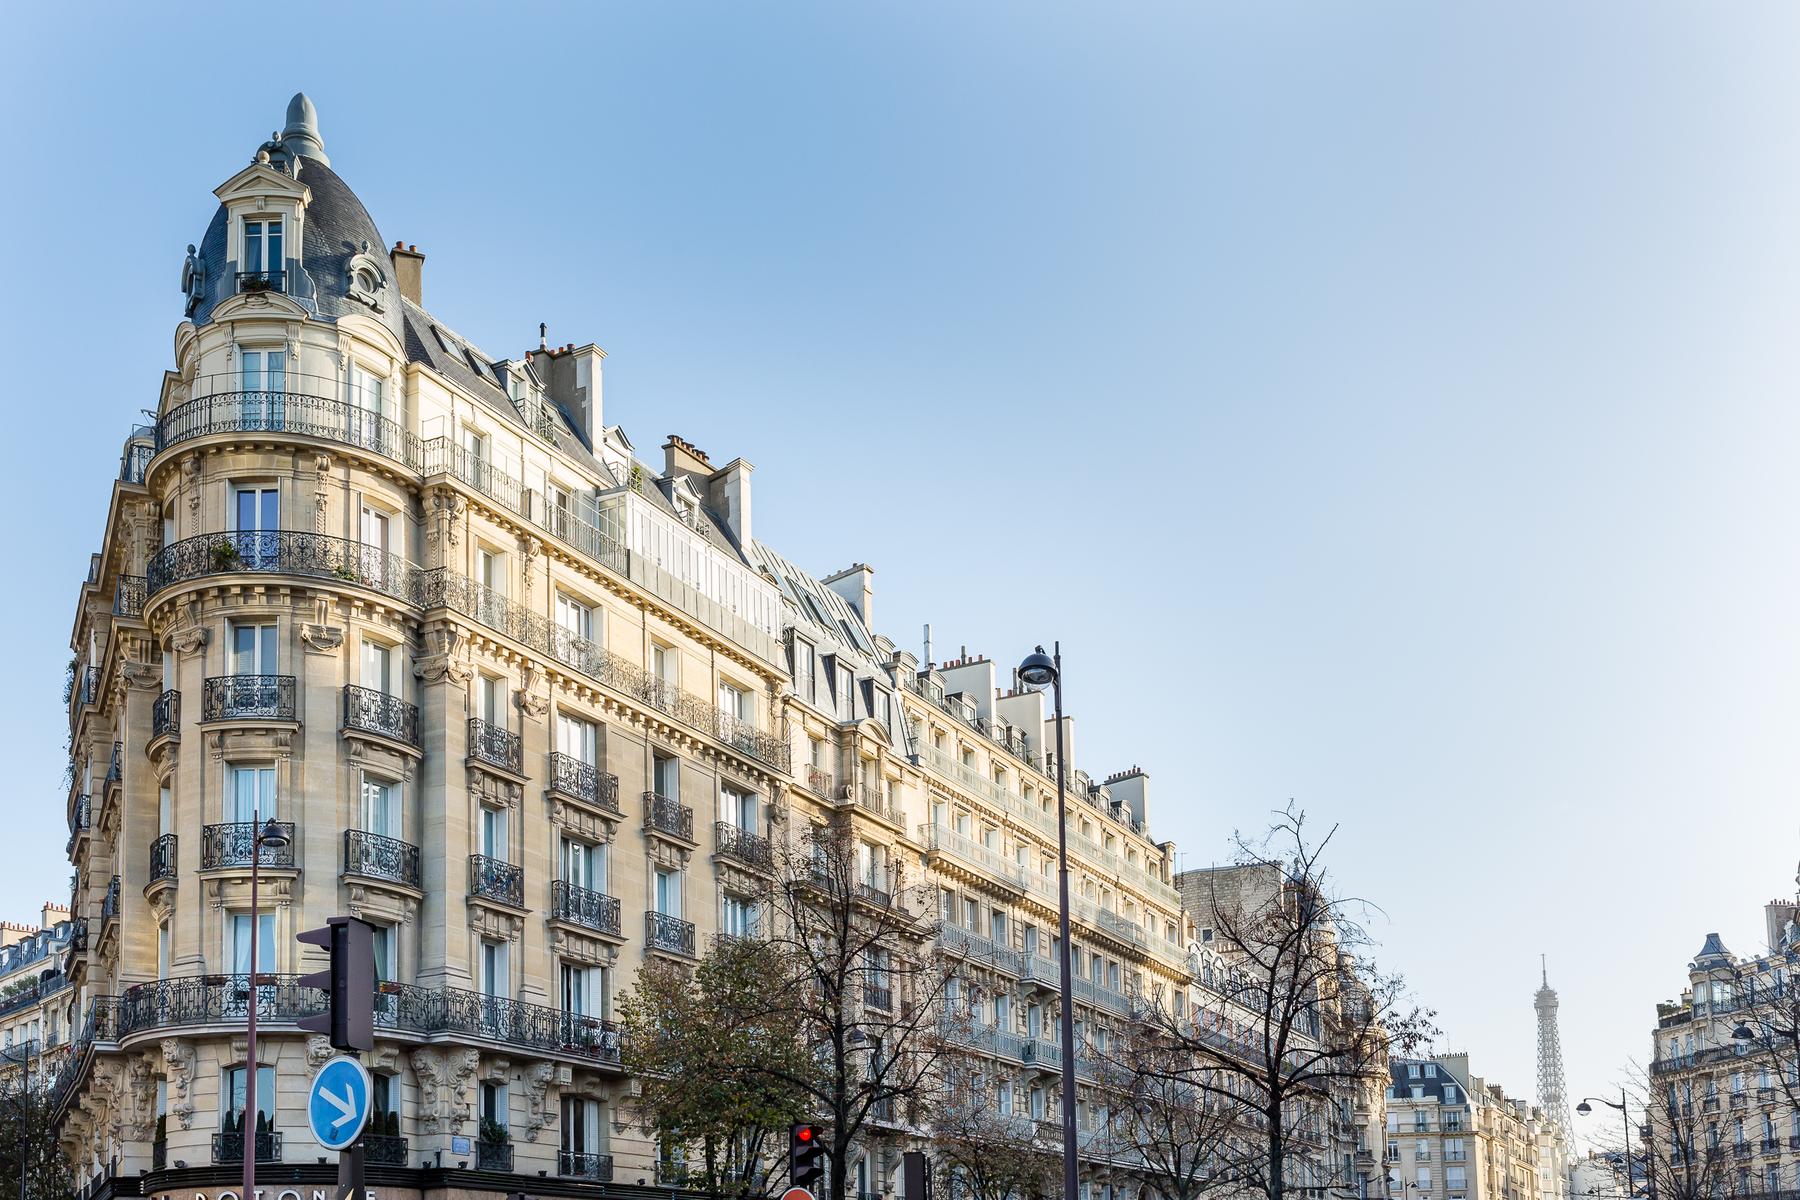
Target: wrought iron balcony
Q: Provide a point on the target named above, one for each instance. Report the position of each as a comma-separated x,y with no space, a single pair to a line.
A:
740,845
384,1150
664,932
224,1000
304,412
81,819
285,552
664,815
260,281
584,781
379,713
165,715
128,596
496,879
378,857
819,780
163,858
576,1165
497,747
584,907
248,698
878,998
159,1154
232,843
229,1147
109,906
115,766
493,1156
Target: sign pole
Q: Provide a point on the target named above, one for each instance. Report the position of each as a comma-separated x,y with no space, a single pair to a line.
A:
350,1172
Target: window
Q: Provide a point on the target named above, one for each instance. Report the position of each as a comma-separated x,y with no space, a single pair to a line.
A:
665,776
576,738
237,943
262,245
165,811
490,700
997,927
805,669
384,940
667,897
665,664
1449,1093
232,1118
253,650
377,666
580,1128
381,811
739,917
583,865
737,808
493,1105
580,990
493,833
490,571
162,950
376,540
971,915
385,1096
734,700
493,968
368,390
556,505
574,618
252,794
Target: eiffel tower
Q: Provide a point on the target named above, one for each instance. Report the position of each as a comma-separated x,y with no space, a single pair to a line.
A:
1553,1094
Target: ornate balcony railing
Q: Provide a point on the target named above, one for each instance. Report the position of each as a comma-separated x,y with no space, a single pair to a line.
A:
285,552
497,747
294,412
260,281
109,906
229,1147
163,862
379,713
248,698
584,781
819,780
665,815
584,907
493,1156
280,1000
740,845
496,879
88,686
576,1165
165,715
664,932
384,1150
159,1154
877,997
232,843
81,819
128,596
115,766
379,857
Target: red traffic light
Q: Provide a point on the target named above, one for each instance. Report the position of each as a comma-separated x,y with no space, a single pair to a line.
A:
804,1133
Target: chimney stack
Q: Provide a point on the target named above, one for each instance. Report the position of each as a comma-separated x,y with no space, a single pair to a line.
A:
856,584
409,272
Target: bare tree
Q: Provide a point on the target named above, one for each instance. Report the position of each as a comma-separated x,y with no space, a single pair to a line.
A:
1682,1151
1305,1017
981,1153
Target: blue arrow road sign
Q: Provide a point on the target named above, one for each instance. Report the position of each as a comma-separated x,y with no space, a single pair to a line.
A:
338,1104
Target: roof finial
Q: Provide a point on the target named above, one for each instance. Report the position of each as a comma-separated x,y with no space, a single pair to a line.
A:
301,136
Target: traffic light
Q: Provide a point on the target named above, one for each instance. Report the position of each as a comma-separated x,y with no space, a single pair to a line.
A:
349,984
806,1157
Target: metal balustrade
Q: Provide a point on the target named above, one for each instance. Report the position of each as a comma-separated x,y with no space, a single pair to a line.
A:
163,858
585,907
384,1150
377,856
128,596
665,815
496,746
576,1165
232,843
372,711
493,1156
584,781
740,845
165,715
496,879
292,412
285,552
248,698
664,932
229,1147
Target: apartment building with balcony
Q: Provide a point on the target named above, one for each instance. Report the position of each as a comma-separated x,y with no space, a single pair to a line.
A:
34,1031
1452,1135
500,681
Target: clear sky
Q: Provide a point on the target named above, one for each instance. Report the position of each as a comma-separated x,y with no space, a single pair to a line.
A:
1389,406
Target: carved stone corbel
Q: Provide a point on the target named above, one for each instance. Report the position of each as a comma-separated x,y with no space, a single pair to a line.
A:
321,491
527,698
190,482
428,1069
540,1104
178,1069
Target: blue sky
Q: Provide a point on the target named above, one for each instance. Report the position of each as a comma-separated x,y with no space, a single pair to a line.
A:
1389,406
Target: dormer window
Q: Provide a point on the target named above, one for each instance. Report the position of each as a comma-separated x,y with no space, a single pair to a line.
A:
263,265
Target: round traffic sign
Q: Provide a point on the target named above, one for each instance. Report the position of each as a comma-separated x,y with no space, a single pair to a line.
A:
337,1105
796,1194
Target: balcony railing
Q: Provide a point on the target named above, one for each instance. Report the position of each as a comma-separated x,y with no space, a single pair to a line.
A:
584,907
495,746
285,552
379,713
584,781
229,1147
109,906
294,412
493,1156
115,766
384,1150
665,815
870,799
259,281
81,819
576,1165
740,845
163,858
664,932
165,715
379,857
818,780
232,843
879,998
128,596
248,698
496,879
225,1000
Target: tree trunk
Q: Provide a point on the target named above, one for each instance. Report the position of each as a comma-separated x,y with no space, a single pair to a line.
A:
1277,1180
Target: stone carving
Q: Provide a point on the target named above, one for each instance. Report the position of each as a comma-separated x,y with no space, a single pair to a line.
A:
318,1050
193,279
532,549
320,636
321,491
190,481
540,1104
141,1077
462,1072
178,1069
444,529
527,698
443,659
428,1069
143,676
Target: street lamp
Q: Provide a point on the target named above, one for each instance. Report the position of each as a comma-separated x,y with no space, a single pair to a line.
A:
1587,1106
1036,672
274,837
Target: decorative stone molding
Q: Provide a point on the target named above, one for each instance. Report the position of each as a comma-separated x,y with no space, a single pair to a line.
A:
321,491
578,819
540,1104
664,854
462,1072
428,1069
494,791
320,635
142,675
140,1074
576,946
531,548
190,482
178,1069
527,698
187,639
386,906
493,923
443,530
251,743
385,1059
493,1069
318,1050
445,647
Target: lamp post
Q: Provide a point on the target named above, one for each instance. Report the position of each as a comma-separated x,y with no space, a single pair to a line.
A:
269,835
1040,669
1587,1106
24,1110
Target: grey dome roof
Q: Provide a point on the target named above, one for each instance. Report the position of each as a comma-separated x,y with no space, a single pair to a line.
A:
337,227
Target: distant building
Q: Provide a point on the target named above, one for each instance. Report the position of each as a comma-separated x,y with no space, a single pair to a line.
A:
1451,1135
34,992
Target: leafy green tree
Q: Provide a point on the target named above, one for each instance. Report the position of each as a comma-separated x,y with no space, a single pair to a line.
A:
716,1062
28,1144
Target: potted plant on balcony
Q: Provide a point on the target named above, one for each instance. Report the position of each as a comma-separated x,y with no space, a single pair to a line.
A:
255,281
223,555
